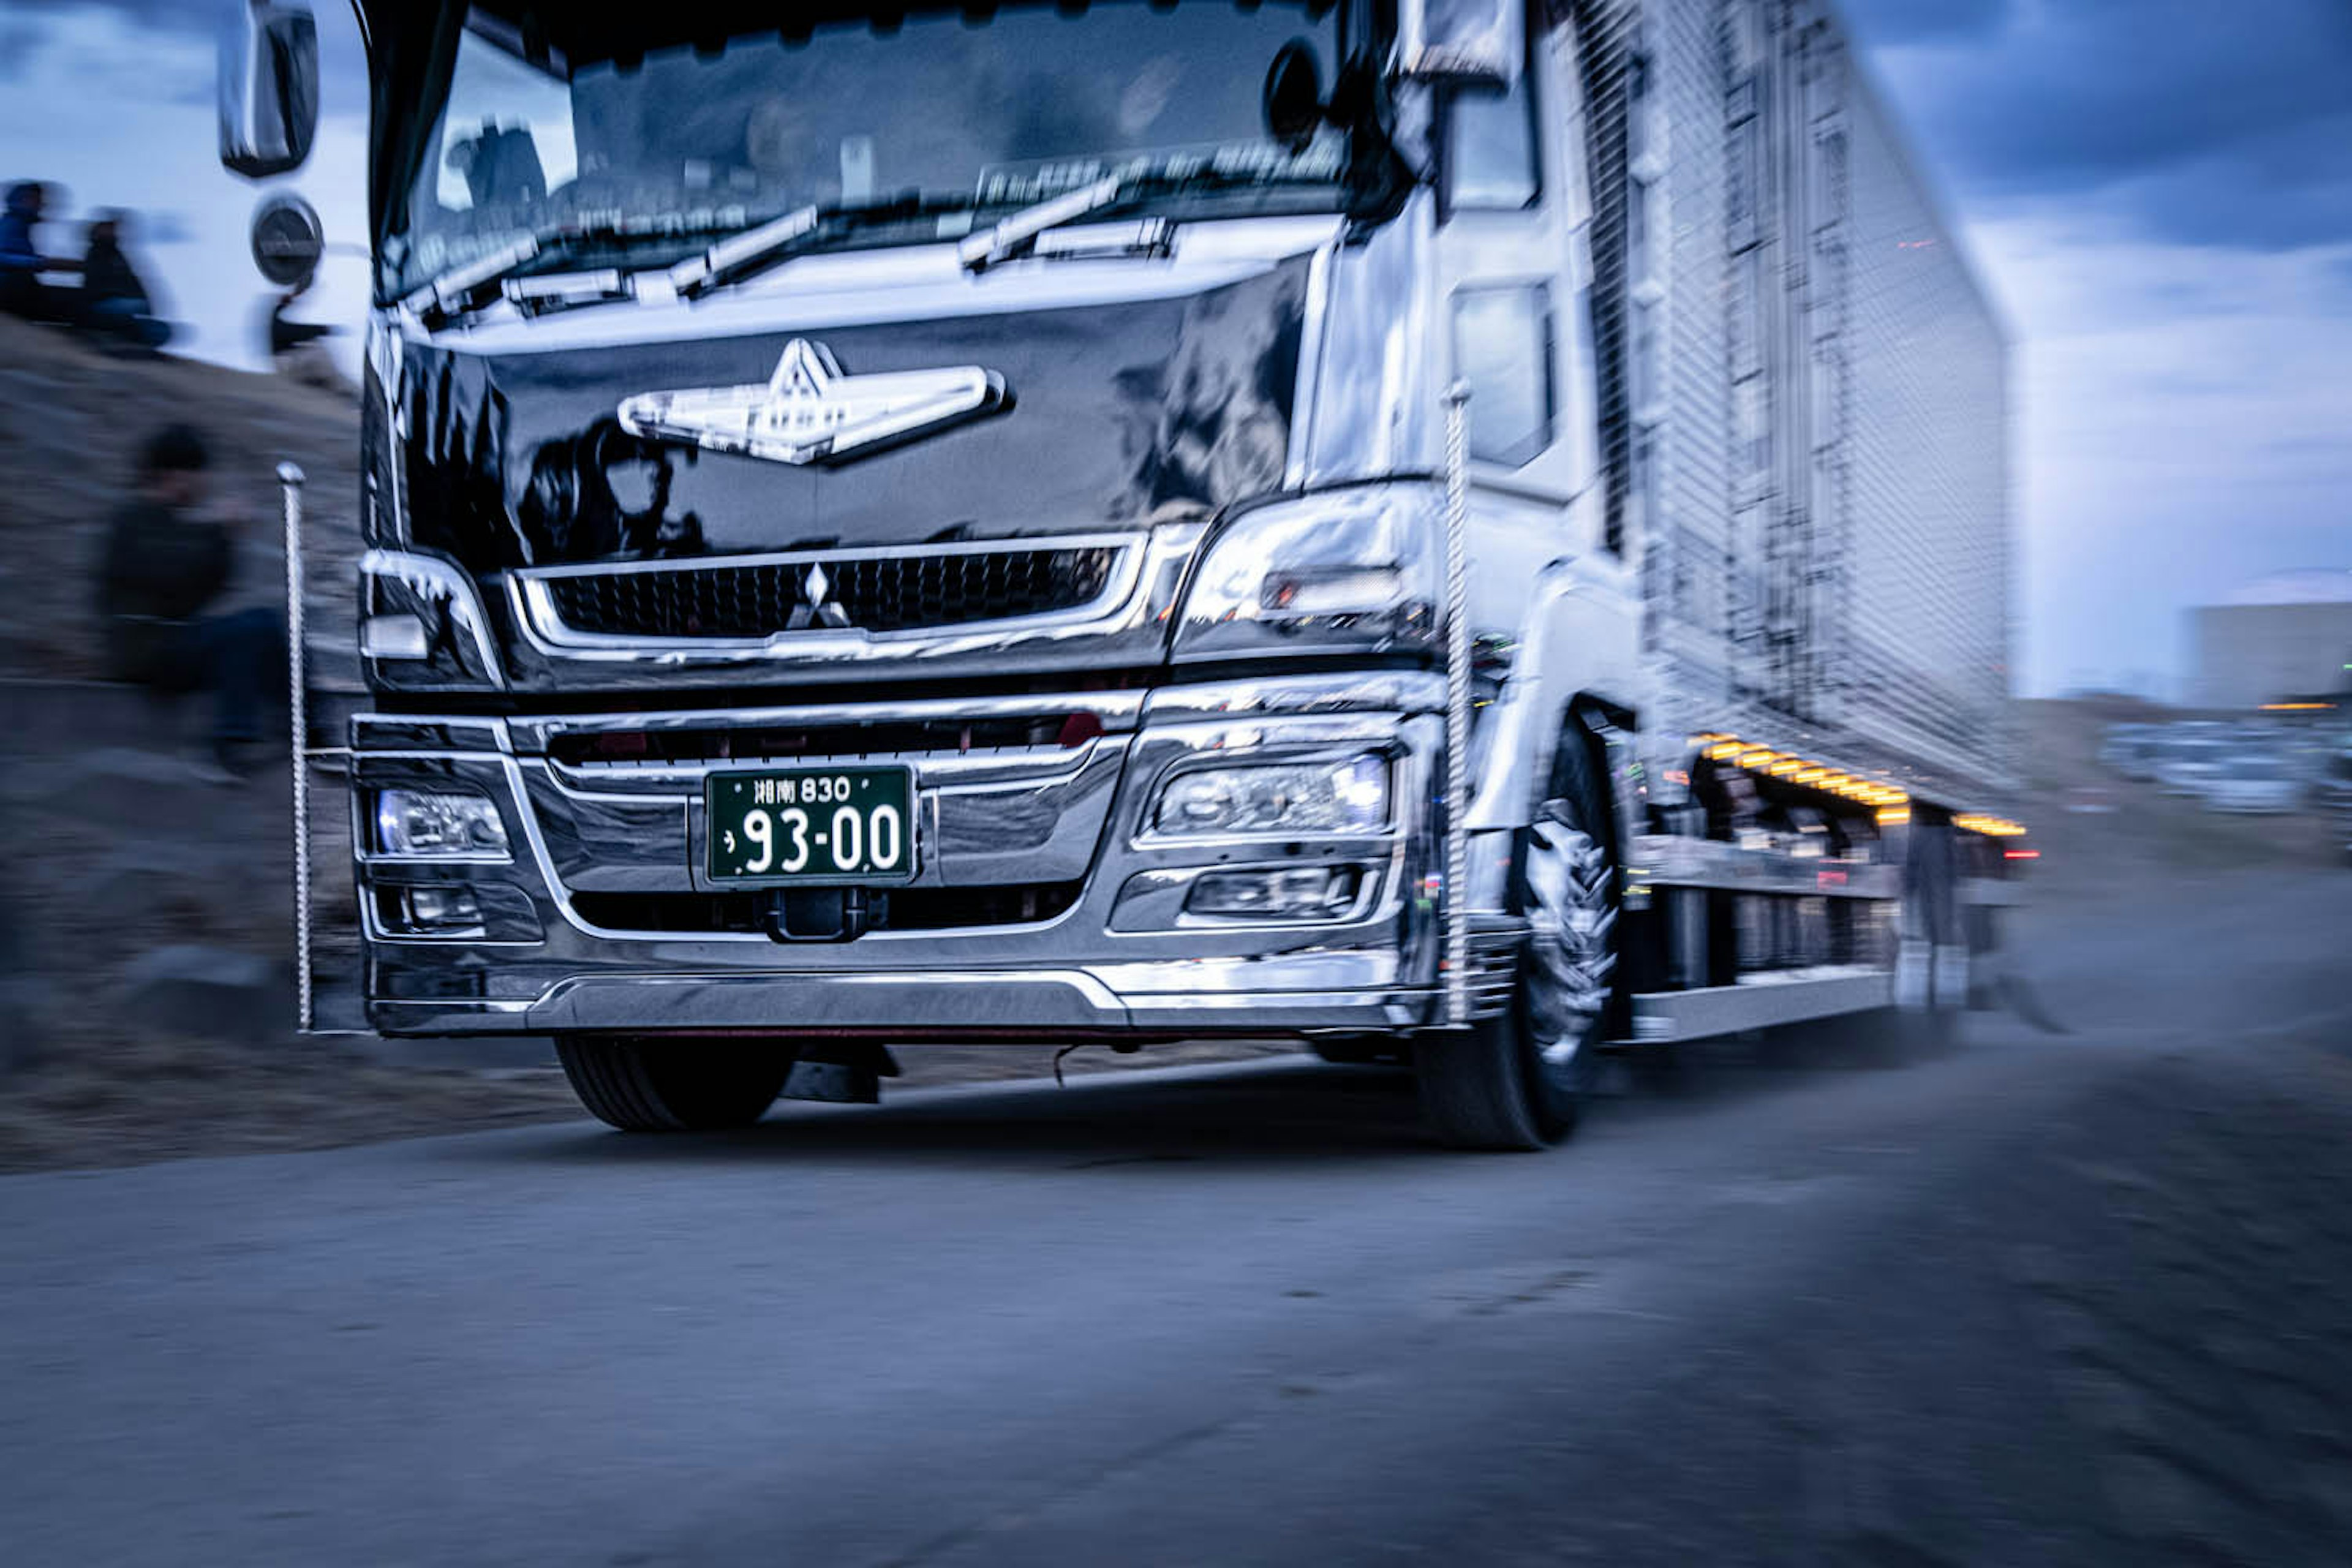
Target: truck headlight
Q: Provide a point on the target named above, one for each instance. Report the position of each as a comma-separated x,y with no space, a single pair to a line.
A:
1347,797
1346,571
438,824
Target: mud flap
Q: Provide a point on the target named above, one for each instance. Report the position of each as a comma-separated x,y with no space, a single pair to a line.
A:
1951,988
1915,969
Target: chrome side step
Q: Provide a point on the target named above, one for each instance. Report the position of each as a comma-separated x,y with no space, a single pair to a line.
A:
1760,1002
1658,860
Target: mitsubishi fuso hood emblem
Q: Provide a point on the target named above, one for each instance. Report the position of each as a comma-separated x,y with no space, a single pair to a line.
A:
809,411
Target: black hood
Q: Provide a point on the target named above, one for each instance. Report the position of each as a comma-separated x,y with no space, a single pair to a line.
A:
1116,415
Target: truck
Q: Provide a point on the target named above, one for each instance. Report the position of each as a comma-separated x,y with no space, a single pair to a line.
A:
1471,533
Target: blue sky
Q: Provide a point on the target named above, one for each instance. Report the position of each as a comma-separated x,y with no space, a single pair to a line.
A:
2159,192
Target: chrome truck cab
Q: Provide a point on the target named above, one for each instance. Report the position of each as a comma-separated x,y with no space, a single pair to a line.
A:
1149,450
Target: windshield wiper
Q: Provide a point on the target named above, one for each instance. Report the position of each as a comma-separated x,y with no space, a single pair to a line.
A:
464,290
1019,235
1015,233
757,250
741,255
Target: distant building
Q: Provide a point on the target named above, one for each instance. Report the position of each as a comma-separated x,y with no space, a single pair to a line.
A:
2286,635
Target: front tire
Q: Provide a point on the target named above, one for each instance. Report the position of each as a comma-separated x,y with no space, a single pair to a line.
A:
1516,1082
673,1086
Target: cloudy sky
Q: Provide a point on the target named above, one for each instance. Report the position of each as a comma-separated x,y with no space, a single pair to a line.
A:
2159,192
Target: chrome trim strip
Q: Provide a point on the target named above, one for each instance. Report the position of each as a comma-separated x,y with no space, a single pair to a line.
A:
1402,691
1310,366
558,895
372,926
1151,902
429,577
1760,1002
407,732
936,999
1659,861
1119,711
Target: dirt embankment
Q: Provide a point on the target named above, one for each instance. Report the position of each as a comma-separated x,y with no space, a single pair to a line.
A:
73,422
144,987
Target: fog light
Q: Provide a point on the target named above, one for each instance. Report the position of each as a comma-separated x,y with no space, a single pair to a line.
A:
394,637
1351,796
441,911
1305,894
437,824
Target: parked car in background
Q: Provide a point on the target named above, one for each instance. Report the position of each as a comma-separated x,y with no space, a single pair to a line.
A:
2141,758
2260,783
2192,763
2334,798
2121,747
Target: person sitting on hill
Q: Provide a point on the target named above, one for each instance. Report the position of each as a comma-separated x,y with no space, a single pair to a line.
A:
167,560
115,304
22,292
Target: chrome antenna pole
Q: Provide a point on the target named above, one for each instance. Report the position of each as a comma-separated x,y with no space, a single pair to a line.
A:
1457,705
298,717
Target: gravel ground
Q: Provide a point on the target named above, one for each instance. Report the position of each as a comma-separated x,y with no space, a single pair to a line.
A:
2072,1298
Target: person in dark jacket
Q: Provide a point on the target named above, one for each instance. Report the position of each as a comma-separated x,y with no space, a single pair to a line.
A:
22,292
166,562
115,302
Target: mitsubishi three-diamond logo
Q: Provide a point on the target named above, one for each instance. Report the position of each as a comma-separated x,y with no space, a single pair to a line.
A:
809,411
814,609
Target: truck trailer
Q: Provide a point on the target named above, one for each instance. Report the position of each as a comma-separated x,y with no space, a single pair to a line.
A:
1458,532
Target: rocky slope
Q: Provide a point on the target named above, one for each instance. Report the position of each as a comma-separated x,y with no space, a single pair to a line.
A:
71,424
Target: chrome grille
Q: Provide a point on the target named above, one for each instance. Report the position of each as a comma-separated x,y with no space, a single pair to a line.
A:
881,594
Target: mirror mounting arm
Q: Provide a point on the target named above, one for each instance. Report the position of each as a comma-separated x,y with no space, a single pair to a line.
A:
1460,42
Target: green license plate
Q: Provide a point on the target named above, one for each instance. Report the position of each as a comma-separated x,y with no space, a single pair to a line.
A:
811,824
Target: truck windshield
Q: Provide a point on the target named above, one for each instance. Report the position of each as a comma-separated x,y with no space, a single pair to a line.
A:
979,115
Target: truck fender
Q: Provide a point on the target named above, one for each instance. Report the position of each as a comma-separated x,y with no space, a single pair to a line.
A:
1573,652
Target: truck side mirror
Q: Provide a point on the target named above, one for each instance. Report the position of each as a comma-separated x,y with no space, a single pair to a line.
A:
1460,42
1293,96
268,90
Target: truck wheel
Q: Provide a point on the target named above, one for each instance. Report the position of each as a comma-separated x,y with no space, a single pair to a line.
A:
673,1086
1514,1081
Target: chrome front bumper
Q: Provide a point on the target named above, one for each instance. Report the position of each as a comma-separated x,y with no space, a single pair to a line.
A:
593,841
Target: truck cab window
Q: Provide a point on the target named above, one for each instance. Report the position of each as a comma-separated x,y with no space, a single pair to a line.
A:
960,117
505,139
1491,163
1503,348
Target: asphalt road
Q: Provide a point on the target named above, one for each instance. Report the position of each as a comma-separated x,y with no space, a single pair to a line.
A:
2073,1298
